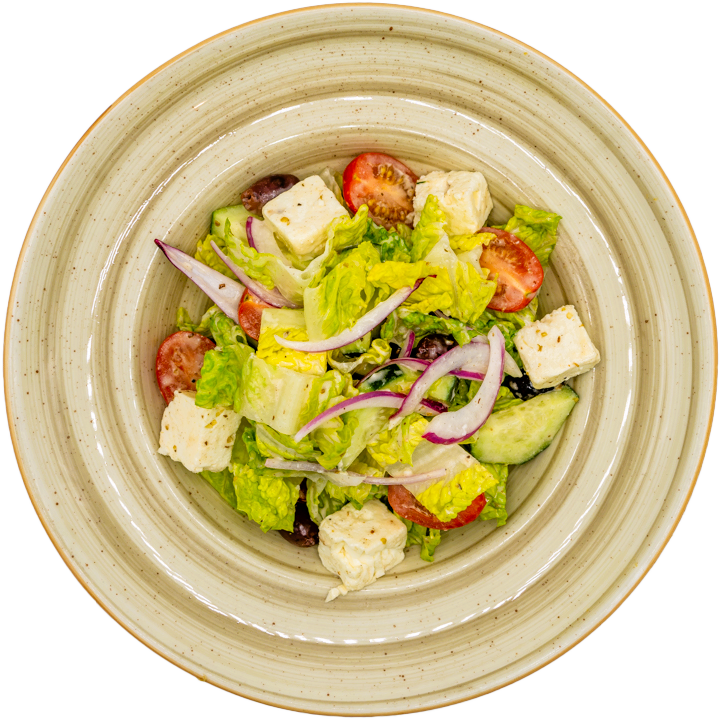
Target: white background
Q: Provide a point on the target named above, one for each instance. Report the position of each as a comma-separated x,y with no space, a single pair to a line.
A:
63,63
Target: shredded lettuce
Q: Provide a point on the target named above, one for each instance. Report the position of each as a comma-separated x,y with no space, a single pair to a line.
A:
536,228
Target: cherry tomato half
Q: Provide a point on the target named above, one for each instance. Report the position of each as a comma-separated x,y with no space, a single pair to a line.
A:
179,361
404,503
250,314
385,184
516,268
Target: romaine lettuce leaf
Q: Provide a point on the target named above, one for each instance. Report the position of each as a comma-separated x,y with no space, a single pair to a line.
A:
275,396
289,324
220,382
378,353
204,253
496,498
393,244
324,498
265,497
343,295
464,480
429,229
215,324
536,228
397,444
466,243
505,399
427,538
272,444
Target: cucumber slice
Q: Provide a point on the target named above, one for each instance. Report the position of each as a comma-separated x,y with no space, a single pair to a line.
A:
236,214
517,434
443,389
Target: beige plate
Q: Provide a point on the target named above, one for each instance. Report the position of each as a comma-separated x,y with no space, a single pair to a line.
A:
93,298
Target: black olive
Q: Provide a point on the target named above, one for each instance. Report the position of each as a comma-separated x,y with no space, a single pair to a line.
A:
522,387
433,346
264,190
305,531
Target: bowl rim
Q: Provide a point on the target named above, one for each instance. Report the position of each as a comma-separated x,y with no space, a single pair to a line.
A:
309,9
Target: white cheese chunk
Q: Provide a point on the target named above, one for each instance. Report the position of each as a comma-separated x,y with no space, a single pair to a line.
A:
556,348
361,545
198,438
302,215
462,195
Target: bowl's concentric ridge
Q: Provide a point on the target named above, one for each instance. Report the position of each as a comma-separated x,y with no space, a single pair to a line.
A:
92,298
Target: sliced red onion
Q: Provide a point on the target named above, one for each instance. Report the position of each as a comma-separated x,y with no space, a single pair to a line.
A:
362,327
271,297
458,426
451,360
432,407
420,366
377,398
357,478
262,238
222,290
407,346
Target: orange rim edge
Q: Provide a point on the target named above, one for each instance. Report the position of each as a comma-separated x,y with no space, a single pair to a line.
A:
183,54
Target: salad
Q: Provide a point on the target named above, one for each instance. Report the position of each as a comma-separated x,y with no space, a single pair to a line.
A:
372,362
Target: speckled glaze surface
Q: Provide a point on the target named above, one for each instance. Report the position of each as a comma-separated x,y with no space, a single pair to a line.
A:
93,298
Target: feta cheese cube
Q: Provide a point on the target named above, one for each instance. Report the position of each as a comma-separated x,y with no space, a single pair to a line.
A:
302,215
462,195
198,438
556,348
361,545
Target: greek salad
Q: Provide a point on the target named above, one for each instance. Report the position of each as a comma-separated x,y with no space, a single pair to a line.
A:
372,361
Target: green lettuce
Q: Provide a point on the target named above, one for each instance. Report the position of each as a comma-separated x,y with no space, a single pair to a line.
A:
205,254
324,498
496,498
215,324
429,229
289,324
466,243
422,324
397,444
272,444
508,324
536,228
343,295
505,399
393,244
378,353
266,498
275,396
427,538
465,478
220,382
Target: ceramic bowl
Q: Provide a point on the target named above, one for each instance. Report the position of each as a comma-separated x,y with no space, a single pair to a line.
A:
157,547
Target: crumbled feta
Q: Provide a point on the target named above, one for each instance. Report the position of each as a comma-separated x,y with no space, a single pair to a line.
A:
462,195
556,348
361,545
198,438
301,216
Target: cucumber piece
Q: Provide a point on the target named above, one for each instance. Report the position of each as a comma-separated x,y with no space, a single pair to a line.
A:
517,434
443,389
236,214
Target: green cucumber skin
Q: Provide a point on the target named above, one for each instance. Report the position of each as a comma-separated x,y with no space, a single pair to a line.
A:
237,214
443,389
517,434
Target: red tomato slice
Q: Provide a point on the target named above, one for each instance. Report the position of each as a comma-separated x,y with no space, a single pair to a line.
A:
516,268
403,502
250,314
179,361
385,184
